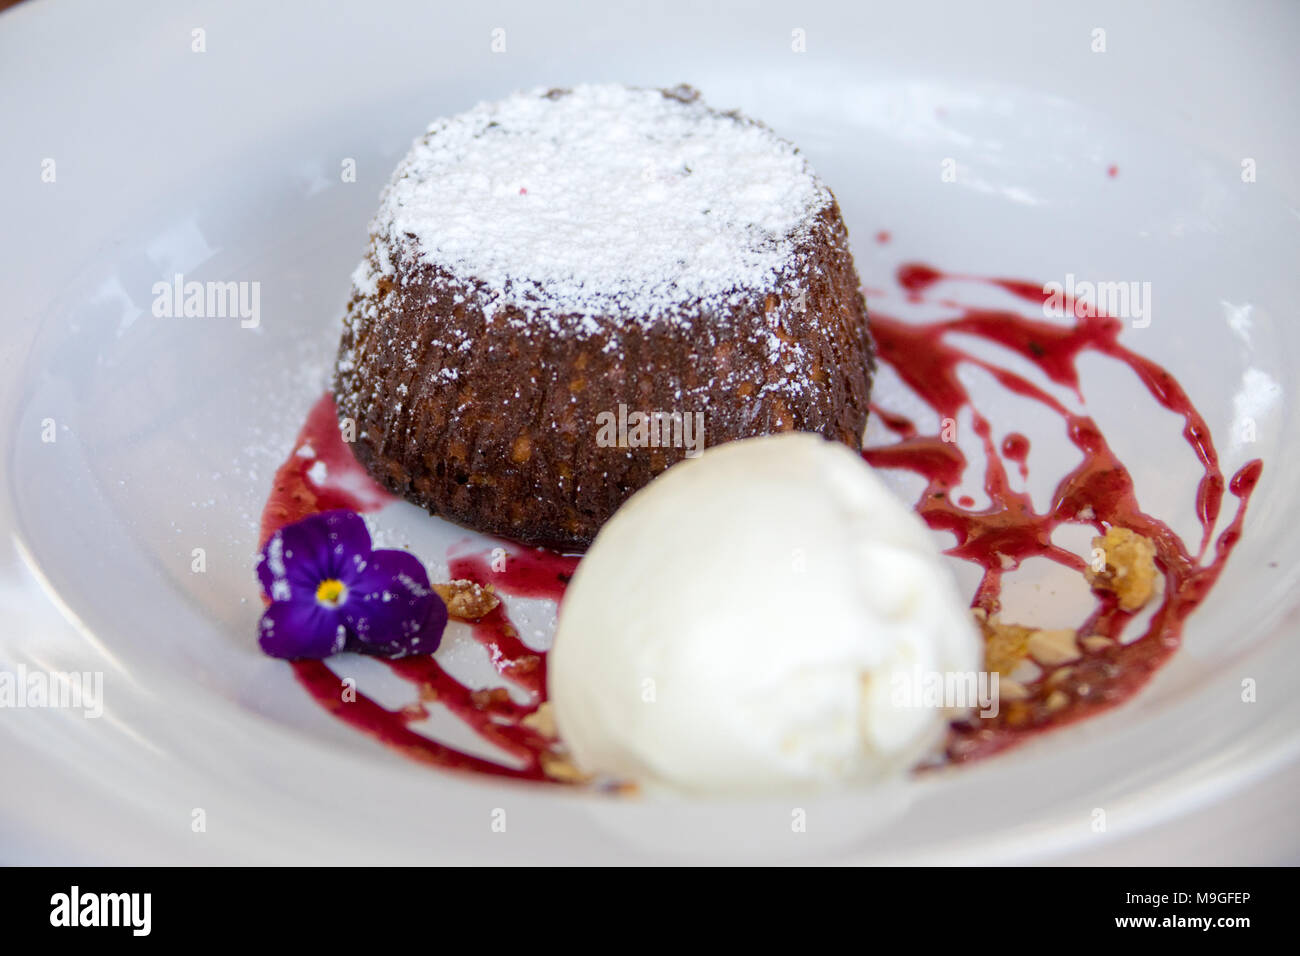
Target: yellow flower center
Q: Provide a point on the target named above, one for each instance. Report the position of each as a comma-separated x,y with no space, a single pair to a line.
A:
331,592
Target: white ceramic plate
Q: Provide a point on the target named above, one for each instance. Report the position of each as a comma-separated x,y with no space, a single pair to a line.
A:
225,164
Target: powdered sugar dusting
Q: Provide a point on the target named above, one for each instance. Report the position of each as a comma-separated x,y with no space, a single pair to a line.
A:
599,201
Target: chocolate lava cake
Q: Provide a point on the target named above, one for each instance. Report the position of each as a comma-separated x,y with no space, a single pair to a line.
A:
543,266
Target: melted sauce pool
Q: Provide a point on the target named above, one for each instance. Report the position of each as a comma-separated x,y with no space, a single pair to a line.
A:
1096,493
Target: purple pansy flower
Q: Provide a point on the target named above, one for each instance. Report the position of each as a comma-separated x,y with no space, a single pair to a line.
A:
331,591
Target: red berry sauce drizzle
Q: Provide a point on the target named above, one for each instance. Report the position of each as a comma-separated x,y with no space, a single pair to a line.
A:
1098,493
491,713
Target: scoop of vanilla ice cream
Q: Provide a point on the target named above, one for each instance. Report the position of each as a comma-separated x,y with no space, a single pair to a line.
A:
738,625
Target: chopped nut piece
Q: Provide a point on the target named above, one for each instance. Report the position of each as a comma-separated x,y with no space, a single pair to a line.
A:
1026,671
489,697
1004,644
1013,649
561,768
1096,642
1130,570
466,600
542,720
1019,713
1011,689
1057,699
1053,648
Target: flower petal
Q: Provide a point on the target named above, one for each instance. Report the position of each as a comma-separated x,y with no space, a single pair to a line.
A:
301,555
297,629
391,609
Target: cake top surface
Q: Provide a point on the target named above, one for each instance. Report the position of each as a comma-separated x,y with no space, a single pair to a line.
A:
601,200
